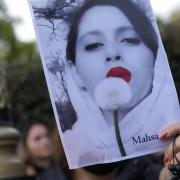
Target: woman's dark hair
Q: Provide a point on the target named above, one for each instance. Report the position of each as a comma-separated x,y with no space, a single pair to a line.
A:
135,15
27,129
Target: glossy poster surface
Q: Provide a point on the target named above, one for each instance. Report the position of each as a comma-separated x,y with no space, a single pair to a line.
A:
108,76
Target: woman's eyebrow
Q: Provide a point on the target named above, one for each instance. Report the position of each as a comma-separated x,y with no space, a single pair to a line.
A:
95,33
123,29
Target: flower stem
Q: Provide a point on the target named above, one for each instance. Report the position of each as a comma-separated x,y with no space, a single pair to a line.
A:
118,136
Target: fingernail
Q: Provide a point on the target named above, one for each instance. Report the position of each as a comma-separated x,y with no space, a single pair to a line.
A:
163,135
166,159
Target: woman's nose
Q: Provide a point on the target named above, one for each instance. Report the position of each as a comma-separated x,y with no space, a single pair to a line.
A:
45,140
112,53
116,58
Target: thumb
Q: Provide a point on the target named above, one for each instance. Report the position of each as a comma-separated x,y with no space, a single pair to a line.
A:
170,131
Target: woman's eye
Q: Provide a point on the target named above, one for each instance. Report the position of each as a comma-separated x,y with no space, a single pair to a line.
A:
93,46
37,138
133,41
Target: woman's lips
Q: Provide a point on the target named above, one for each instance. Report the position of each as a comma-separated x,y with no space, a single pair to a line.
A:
119,72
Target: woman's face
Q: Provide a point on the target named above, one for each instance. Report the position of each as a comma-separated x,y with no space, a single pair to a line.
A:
107,41
38,142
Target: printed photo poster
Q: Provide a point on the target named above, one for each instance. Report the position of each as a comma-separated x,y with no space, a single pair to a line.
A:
108,76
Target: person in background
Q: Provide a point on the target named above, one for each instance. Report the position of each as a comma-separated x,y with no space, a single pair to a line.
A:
37,152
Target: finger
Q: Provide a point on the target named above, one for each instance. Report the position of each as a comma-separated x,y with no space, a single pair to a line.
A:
165,174
176,160
170,131
177,144
168,154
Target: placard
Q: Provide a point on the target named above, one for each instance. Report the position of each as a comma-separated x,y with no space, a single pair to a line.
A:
108,76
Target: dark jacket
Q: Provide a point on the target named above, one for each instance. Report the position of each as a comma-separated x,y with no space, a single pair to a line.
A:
141,168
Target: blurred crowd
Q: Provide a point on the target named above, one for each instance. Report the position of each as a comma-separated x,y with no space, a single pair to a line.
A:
41,150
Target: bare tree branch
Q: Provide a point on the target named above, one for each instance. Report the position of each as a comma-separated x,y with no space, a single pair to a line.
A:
55,10
67,115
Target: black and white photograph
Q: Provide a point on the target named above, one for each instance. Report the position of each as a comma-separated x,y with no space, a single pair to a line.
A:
108,77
